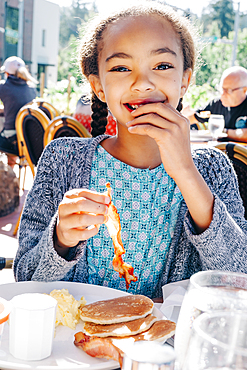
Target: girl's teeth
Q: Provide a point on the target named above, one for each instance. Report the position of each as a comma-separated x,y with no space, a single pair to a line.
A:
135,106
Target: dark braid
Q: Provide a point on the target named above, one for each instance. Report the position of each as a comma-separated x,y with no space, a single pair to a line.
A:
180,105
99,116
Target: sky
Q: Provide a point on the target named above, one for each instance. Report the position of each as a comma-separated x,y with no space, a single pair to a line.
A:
195,6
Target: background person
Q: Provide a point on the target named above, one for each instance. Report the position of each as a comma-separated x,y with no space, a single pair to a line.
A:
180,211
232,103
83,114
16,91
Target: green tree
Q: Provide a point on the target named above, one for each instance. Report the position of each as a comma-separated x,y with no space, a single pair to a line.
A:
71,20
67,60
222,12
242,48
216,57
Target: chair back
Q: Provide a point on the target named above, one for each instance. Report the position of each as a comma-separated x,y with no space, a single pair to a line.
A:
31,124
238,156
46,107
64,126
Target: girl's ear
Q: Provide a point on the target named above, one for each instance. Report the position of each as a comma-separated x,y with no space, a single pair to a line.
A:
185,81
97,87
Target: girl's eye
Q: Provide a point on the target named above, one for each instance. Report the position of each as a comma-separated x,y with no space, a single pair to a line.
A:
163,66
120,69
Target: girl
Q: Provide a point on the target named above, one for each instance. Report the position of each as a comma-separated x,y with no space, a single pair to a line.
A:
180,212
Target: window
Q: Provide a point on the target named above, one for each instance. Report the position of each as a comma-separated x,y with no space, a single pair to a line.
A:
11,31
43,37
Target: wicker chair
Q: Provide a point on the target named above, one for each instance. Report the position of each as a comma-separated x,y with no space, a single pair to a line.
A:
238,156
64,126
30,125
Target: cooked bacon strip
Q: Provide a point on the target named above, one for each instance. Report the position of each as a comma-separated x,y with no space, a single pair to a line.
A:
114,347
95,347
114,227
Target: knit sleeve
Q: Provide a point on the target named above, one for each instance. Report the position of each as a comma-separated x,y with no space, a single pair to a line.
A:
223,245
36,258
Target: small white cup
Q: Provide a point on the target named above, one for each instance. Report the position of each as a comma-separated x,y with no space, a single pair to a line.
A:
31,326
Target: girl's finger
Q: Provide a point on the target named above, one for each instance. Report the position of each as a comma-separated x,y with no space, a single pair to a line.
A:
163,109
151,119
179,123
145,129
75,235
154,120
76,205
88,194
82,220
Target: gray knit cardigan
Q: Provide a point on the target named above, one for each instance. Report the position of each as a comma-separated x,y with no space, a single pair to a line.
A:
66,164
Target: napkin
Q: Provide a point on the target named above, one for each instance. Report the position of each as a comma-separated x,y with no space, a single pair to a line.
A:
173,295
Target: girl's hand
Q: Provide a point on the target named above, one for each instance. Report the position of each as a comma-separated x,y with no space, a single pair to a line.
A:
170,130
79,215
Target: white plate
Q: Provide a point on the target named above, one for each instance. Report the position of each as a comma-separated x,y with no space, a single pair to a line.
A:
65,355
200,135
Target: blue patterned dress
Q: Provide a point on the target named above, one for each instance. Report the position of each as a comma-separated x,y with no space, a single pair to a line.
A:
148,202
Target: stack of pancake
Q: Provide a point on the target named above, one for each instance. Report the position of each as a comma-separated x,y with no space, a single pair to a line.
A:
110,326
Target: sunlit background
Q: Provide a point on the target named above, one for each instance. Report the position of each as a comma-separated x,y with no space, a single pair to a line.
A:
195,6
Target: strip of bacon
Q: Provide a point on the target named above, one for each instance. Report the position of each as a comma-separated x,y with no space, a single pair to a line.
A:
114,227
95,347
114,347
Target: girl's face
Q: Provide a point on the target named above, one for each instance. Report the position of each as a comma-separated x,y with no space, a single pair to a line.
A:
141,62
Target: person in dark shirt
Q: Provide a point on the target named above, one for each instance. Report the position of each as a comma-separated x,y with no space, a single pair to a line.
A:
16,91
232,103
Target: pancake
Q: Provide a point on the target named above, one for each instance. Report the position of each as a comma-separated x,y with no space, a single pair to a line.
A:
160,331
117,310
120,329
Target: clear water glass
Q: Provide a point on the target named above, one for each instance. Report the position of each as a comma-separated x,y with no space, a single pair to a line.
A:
216,124
208,291
218,341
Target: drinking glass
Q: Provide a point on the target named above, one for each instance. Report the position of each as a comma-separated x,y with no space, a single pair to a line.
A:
208,291
216,124
218,341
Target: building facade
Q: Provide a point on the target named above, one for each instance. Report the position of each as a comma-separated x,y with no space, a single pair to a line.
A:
30,30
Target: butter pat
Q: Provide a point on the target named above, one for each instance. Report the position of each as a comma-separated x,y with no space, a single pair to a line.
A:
31,326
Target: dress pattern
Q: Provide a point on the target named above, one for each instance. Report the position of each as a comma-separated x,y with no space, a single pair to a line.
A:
148,202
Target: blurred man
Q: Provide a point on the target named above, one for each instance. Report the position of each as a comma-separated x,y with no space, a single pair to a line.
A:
232,103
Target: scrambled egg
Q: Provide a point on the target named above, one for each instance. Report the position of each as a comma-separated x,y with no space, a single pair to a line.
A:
67,308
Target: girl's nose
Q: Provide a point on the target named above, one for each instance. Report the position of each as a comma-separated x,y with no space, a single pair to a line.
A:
142,83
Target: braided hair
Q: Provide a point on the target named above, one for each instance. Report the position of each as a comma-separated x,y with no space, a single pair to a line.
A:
180,105
99,116
93,42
